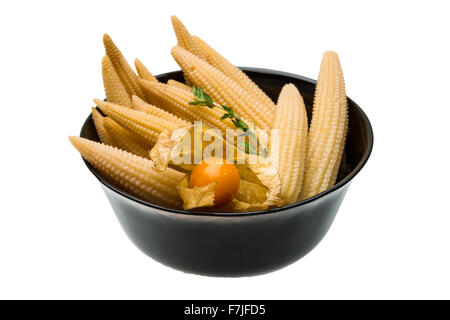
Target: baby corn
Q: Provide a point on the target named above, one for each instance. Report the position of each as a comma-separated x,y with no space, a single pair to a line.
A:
292,123
327,133
126,75
177,84
125,139
131,173
184,38
177,100
143,71
101,131
114,89
223,89
146,126
219,62
141,105
145,75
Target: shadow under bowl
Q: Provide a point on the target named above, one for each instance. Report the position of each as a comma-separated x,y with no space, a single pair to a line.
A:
244,244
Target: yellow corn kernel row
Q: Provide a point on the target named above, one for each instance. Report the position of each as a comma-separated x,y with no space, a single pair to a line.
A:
145,74
126,75
141,105
101,131
292,124
143,71
125,139
327,133
201,49
131,173
146,126
218,61
184,38
180,85
223,89
114,89
177,100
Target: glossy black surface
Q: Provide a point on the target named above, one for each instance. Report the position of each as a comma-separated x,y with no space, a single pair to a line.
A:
248,243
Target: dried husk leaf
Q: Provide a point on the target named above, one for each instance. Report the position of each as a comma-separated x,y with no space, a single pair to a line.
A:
196,197
260,184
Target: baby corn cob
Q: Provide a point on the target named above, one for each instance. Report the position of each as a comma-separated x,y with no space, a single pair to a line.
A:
184,38
114,89
223,89
177,84
146,126
126,75
141,105
327,133
99,126
219,62
125,139
292,123
131,173
145,75
143,71
177,100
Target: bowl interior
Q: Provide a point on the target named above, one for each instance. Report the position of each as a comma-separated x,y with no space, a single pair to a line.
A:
359,139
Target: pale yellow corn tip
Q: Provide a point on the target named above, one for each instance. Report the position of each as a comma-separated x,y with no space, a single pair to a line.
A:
126,75
143,72
114,89
100,128
146,126
184,38
131,173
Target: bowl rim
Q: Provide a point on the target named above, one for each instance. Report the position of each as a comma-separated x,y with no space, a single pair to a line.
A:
265,72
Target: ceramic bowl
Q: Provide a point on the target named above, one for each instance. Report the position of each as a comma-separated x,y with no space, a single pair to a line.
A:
230,244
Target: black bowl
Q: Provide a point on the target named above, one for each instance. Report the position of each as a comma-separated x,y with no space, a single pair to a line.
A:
221,244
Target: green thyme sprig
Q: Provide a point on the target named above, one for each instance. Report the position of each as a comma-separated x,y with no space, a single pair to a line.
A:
204,99
201,98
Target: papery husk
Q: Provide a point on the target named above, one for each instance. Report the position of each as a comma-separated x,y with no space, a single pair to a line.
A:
195,197
260,184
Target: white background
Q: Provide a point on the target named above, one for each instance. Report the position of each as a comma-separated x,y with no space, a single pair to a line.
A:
58,235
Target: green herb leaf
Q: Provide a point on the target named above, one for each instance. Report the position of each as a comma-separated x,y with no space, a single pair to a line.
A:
204,99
